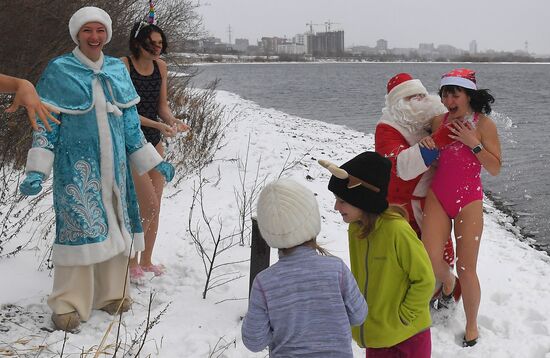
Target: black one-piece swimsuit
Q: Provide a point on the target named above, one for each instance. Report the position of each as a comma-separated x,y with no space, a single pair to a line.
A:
148,89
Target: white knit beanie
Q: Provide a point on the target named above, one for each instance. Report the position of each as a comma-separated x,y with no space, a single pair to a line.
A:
288,214
89,14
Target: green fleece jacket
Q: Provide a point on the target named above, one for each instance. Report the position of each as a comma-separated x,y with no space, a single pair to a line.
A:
394,272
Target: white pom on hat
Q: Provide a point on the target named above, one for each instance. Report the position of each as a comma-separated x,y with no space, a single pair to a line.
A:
89,14
288,214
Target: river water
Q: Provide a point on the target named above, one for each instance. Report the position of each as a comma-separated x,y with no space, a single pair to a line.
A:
352,94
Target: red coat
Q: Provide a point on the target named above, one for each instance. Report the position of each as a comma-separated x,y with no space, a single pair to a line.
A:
410,178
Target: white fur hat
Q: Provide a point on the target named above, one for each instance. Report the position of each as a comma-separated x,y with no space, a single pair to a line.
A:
89,14
288,214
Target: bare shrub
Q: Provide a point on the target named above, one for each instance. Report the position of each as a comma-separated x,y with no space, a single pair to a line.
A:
246,195
37,31
217,241
207,119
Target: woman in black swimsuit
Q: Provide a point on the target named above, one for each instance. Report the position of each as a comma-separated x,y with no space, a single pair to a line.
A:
149,73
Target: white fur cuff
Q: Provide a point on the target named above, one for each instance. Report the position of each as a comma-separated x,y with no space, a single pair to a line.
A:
410,163
39,160
145,158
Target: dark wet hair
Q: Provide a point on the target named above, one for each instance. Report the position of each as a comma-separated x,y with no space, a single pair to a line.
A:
142,39
480,100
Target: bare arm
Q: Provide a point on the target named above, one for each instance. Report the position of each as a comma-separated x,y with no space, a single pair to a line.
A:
26,96
164,110
164,128
485,133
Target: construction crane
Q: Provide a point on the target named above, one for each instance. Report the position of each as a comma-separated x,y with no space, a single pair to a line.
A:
311,24
328,23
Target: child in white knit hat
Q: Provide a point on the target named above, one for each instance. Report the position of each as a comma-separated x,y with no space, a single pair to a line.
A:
306,302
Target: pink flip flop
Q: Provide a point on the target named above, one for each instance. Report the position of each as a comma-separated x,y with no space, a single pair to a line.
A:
137,275
158,270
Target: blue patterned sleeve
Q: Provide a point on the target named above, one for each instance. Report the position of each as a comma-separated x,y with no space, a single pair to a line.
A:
134,137
355,303
40,157
143,155
256,330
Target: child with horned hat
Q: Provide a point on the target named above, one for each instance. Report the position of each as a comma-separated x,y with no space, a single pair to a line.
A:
388,261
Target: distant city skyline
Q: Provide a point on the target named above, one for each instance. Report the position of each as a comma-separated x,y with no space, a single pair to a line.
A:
494,25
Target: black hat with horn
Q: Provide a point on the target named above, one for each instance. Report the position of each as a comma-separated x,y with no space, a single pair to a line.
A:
362,181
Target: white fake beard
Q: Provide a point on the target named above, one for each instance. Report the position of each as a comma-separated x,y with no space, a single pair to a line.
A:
415,114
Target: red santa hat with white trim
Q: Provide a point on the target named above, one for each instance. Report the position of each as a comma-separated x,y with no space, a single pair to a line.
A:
461,77
403,85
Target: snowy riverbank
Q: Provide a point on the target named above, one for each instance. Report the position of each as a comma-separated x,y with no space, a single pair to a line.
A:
514,315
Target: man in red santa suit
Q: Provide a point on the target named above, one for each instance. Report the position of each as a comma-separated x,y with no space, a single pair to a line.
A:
406,118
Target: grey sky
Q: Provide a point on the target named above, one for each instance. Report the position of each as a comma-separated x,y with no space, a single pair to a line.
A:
495,24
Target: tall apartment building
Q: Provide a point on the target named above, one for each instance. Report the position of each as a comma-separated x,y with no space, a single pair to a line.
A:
382,45
473,47
241,45
325,44
269,44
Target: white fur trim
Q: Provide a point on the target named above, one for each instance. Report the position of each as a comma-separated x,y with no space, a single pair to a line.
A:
68,111
421,189
145,158
405,89
89,14
122,105
458,81
40,160
410,163
127,105
411,137
417,212
94,65
89,254
139,243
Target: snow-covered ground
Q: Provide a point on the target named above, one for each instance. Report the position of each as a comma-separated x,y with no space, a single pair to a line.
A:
515,307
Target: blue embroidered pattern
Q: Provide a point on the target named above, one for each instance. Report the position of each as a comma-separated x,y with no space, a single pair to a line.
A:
85,193
40,139
122,186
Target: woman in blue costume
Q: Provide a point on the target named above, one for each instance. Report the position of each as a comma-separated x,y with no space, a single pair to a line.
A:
149,75
97,217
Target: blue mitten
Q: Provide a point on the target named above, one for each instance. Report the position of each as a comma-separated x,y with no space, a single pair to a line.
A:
428,155
32,184
166,169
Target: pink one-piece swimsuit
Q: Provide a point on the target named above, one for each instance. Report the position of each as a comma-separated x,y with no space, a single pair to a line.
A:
457,180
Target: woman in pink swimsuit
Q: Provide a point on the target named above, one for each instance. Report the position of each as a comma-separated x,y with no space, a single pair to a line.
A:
455,196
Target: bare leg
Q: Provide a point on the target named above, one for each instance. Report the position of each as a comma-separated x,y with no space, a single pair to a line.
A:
148,207
468,230
156,181
436,227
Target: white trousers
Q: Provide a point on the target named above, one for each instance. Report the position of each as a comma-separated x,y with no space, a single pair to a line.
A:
83,288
